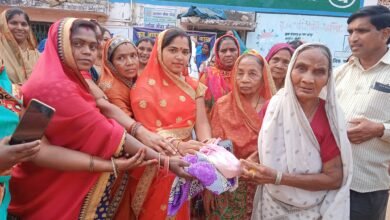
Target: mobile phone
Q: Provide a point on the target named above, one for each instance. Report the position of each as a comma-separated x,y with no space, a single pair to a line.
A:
33,123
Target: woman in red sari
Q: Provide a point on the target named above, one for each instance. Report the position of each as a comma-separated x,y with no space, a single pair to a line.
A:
166,101
235,117
218,78
77,125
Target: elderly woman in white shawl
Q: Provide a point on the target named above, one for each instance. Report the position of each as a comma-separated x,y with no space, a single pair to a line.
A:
304,164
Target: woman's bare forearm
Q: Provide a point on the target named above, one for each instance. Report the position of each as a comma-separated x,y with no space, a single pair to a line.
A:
330,178
64,159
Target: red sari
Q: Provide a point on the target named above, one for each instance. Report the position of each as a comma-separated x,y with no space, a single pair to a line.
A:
163,103
217,78
233,118
40,193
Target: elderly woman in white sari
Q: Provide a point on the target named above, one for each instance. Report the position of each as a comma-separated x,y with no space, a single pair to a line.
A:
304,166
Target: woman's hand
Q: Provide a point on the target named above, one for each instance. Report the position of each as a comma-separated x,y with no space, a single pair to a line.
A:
12,155
155,141
189,147
176,165
257,173
209,141
137,160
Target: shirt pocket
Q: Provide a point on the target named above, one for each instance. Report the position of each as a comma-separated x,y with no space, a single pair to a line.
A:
378,104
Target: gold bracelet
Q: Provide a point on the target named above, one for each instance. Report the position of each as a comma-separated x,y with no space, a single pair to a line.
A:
114,168
177,146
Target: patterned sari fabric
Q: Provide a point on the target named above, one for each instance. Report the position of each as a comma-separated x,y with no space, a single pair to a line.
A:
77,125
9,110
117,90
235,119
19,63
116,87
217,78
287,143
163,103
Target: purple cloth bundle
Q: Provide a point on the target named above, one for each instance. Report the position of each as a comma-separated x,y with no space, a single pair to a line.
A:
207,175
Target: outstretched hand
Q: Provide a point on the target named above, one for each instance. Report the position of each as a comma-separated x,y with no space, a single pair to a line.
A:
177,165
257,173
138,160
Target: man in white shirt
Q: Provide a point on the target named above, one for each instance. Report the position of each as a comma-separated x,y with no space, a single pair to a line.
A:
363,89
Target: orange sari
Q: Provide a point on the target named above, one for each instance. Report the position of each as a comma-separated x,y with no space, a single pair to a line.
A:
233,118
166,104
113,85
117,90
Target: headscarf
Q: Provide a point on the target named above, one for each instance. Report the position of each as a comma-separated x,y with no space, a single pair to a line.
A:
77,125
218,62
278,47
217,78
19,64
161,100
234,118
116,87
287,143
164,103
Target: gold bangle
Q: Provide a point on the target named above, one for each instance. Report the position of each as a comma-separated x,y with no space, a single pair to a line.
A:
114,168
177,145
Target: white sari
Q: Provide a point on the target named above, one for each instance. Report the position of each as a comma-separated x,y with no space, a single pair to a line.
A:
287,143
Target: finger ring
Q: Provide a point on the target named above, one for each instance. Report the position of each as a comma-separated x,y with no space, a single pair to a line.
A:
253,172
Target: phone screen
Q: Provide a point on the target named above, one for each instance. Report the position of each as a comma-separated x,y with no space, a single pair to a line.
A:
33,123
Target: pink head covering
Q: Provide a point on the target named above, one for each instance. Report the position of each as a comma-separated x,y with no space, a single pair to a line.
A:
276,48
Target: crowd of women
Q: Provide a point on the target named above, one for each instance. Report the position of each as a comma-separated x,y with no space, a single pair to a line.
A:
127,113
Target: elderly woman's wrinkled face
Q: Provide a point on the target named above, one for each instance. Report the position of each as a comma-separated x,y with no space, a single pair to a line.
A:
125,60
19,28
279,63
310,73
249,76
228,52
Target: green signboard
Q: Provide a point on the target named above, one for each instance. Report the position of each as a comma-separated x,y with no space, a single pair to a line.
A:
317,7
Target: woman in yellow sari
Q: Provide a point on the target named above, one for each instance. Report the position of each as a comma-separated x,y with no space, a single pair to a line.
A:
17,45
170,103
